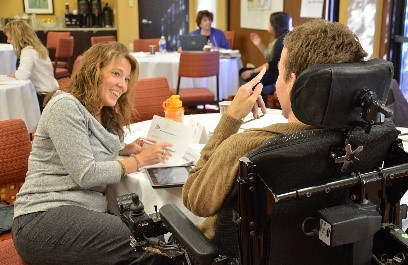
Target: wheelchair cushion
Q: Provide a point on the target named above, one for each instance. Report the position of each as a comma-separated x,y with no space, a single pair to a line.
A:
326,95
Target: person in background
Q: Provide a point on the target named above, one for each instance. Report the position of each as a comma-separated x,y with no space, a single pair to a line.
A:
60,214
280,23
216,37
211,181
33,62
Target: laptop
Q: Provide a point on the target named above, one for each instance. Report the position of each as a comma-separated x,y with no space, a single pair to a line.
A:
193,43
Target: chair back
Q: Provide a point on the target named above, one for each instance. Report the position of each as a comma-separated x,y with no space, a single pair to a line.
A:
102,39
142,45
15,147
149,95
76,63
63,53
52,40
199,64
230,36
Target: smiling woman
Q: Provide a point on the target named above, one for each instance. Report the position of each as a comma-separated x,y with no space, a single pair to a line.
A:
74,159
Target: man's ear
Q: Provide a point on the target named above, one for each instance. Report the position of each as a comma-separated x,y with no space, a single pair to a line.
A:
291,82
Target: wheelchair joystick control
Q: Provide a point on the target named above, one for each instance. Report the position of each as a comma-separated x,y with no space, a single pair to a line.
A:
137,208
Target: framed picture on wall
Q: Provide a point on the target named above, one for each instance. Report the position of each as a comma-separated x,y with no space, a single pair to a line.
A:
38,6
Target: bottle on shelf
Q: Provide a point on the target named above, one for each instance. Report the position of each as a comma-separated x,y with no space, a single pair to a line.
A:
66,9
173,108
162,44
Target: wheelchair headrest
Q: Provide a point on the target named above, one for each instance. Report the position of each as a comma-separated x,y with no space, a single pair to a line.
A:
327,95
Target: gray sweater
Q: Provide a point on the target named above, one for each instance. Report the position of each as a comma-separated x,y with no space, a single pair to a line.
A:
72,160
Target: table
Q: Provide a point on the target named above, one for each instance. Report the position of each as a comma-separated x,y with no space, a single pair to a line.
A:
18,100
139,183
7,58
166,64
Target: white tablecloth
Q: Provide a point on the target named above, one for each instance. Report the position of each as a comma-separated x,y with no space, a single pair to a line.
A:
166,64
18,100
139,182
7,59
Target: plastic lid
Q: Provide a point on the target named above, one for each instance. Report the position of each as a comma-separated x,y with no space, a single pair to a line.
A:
173,102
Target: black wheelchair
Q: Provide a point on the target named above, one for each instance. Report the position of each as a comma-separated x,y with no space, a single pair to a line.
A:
330,195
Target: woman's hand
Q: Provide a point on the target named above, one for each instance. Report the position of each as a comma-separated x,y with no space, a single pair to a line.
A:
248,98
256,40
153,154
246,74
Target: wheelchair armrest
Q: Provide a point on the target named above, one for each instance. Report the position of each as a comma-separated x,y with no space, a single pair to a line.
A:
199,248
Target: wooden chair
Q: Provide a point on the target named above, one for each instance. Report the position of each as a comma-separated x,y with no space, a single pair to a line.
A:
63,53
142,45
52,40
102,39
15,147
149,95
230,35
195,65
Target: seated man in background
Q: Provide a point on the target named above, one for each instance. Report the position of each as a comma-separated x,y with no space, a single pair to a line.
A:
211,181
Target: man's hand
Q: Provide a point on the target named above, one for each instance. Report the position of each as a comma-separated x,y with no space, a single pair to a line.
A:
248,99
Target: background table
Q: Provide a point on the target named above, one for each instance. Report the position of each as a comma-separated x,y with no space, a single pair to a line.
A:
166,64
18,100
7,59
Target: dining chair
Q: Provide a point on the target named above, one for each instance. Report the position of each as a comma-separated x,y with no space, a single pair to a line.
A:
15,147
63,53
197,65
230,36
52,40
102,39
142,45
148,97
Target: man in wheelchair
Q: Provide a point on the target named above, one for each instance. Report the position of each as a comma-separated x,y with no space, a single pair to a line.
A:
320,189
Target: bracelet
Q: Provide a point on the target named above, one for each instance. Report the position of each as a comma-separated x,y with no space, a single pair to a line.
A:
123,172
138,165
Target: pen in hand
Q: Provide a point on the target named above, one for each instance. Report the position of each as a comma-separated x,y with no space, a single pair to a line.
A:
145,141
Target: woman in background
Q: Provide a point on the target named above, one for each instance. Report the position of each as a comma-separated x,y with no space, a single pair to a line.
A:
280,23
33,62
215,36
60,214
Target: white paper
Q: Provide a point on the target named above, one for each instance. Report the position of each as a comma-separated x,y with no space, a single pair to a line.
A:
200,135
311,8
179,134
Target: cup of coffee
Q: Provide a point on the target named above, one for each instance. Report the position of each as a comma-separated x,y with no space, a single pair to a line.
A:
224,106
152,49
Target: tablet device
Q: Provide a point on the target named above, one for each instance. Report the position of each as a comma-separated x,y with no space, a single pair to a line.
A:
193,42
164,177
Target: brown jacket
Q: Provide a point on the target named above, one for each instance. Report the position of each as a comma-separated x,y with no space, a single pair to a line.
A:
210,182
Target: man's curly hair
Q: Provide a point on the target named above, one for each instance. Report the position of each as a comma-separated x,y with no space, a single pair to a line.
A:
320,42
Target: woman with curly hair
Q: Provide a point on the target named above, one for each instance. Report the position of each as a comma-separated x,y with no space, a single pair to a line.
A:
60,212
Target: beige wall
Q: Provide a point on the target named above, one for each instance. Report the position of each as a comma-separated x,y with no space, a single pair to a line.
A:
10,8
